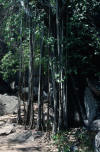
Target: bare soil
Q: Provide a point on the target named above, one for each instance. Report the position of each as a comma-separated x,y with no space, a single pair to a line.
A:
22,140
18,139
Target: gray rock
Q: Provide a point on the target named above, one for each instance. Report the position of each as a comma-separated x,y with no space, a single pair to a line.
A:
74,149
97,142
20,137
7,129
8,104
95,125
90,105
86,122
2,123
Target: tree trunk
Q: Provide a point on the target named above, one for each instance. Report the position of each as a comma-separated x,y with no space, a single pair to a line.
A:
40,91
19,119
30,110
48,105
55,121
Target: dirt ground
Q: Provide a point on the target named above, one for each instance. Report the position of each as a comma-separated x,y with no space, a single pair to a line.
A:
13,137
21,140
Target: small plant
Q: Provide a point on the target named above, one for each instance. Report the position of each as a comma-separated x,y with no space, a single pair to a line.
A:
60,140
65,141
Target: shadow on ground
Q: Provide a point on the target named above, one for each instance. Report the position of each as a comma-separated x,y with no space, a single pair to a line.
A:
25,137
28,149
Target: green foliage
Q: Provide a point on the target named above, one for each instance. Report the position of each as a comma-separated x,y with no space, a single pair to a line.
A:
65,140
83,40
9,65
60,141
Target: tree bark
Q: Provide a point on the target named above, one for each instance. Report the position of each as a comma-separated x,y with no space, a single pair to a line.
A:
30,110
40,90
19,119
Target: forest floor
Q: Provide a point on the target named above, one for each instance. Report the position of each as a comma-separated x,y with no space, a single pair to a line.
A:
75,140
14,137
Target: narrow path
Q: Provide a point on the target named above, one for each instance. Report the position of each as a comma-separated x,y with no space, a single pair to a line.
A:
13,137
20,140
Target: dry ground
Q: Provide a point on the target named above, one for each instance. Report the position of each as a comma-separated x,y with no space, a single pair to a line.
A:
22,140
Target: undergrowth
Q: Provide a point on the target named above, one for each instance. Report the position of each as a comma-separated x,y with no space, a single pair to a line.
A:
74,140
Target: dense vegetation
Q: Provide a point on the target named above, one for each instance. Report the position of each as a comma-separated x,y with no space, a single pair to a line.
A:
59,42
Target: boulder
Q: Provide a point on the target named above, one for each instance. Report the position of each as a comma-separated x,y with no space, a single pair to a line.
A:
97,142
8,104
2,123
90,105
20,137
92,100
7,129
95,125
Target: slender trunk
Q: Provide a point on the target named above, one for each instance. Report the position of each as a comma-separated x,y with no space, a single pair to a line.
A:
65,105
23,86
59,37
48,105
58,31
55,117
19,119
55,124
40,100
65,86
61,84
30,110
